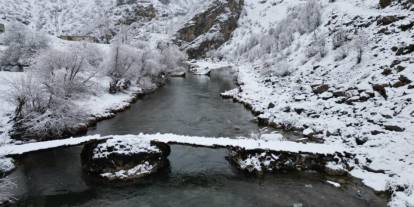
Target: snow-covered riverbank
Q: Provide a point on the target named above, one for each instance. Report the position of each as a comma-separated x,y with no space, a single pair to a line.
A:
331,94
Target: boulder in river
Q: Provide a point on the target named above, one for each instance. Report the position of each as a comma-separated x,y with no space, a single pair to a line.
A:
259,162
124,158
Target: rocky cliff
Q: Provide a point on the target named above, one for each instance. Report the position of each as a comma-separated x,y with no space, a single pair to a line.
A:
211,28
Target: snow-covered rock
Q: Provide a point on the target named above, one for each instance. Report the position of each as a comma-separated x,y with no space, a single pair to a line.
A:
258,162
6,165
124,158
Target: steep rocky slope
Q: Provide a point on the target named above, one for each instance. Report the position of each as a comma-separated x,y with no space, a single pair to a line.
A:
211,28
337,72
101,19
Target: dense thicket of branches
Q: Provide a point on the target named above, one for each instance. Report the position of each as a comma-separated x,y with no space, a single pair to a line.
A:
44,98
22,44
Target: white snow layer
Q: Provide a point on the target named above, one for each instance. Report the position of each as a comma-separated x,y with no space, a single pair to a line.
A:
124,145
143,139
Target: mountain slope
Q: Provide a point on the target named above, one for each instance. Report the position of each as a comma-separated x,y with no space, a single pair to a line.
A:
99,18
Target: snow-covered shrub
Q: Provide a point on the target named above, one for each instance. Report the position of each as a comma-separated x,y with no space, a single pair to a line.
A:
22,45
359,43
308,16
341,53
64,72
317,46
301,19
141,63
28,96
281,69
43,97
339,38
124,64
172,57
93,54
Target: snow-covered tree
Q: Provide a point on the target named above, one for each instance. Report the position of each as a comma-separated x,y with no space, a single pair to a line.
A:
123,65
172,57
359,44
339,38
64,72
22,44
317,45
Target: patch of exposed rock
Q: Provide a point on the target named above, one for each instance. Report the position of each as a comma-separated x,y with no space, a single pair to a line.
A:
124,158
210,29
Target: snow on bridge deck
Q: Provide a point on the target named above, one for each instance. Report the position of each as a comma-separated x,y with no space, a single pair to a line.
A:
249,144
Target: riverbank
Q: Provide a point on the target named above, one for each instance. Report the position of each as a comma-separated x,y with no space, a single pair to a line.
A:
335,72
378,163
98,107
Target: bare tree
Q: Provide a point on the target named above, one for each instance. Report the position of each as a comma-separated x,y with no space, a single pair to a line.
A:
340,37
124,64
316,46
172,57
22,44
65,72
359,44
27,95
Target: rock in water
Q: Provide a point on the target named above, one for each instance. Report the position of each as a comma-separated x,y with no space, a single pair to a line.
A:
124,158
259,162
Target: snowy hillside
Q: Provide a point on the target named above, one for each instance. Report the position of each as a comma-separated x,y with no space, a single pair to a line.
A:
341,72
337,72
98,17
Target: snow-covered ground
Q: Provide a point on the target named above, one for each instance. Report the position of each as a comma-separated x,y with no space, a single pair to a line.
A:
331,97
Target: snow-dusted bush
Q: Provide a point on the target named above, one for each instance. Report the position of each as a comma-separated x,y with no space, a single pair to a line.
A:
22,45
43,97
307,17
359,43
172,57
142,64
124,64
28,96
339,38
342,53
301,19
317,46
281,69
65,72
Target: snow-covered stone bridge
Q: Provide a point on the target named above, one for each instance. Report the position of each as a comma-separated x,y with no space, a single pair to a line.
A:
211,142
255,156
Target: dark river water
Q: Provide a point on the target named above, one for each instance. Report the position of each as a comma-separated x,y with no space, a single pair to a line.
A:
196,177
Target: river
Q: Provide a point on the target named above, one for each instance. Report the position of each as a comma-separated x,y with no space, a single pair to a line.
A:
197,176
